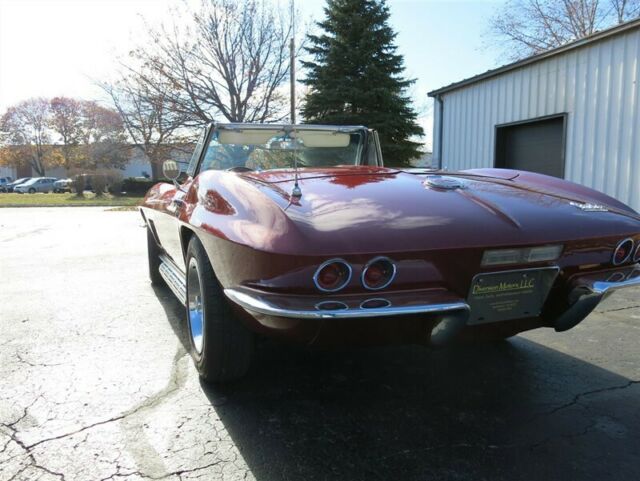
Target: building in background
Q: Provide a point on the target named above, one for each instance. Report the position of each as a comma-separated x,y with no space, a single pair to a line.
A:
137,166
572,112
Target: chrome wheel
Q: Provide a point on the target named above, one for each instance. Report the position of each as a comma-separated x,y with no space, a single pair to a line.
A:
195,306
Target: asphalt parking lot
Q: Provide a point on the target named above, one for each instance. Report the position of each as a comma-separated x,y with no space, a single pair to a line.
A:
95,384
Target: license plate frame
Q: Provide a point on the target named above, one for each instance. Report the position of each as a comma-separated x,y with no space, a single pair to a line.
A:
508,295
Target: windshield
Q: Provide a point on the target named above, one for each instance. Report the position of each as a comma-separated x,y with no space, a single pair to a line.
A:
275,149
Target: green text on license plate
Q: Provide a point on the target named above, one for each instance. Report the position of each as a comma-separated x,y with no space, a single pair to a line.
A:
500,296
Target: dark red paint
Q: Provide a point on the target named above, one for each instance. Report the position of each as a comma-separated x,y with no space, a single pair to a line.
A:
258,236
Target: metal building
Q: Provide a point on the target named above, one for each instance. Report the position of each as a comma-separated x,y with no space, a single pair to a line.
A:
572,112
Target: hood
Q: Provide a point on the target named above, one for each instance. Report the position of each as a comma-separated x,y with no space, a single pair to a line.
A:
366,210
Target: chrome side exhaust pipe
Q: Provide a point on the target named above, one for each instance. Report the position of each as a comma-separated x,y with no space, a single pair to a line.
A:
447,327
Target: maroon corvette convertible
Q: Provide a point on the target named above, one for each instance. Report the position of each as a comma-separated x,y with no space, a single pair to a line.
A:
300,233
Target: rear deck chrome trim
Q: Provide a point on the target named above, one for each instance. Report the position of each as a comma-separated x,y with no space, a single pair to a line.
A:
257,304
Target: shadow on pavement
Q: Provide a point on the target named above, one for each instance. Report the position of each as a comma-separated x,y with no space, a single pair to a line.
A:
175,313
512,410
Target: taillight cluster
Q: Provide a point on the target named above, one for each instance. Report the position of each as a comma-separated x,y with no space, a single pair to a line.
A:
378,273
334,274
624,252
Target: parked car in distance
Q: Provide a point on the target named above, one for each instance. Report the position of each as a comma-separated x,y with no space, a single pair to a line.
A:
36,184
300,233
62,185
4,181
11,185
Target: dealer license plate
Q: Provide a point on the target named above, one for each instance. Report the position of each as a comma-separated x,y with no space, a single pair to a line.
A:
501,296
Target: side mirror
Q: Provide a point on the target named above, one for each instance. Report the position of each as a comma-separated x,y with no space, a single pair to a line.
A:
171,170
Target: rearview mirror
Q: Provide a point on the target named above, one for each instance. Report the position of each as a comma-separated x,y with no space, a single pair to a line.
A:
284,143
171,170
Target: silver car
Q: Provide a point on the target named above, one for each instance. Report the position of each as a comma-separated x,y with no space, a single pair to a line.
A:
62,185
36,184
4,181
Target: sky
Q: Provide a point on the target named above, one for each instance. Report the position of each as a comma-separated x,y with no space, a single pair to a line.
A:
62,47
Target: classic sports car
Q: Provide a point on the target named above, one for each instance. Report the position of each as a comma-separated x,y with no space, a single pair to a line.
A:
300,233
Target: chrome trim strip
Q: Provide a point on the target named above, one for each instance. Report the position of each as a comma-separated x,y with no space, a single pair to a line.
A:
584,299
375,299
601,287
620,244
326,263
527,269
174,278
255,304
341,304
375,259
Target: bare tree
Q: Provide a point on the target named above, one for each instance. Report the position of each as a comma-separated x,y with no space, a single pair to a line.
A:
66,121
154,124
25,127
529,27
226,59
104,142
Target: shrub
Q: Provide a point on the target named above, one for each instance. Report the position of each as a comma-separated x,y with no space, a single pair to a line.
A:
137,186
115,181
99,184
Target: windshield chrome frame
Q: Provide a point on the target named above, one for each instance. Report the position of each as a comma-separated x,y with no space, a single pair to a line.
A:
212,128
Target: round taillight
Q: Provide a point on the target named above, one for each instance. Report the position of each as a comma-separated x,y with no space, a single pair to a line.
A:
623,252
378,273
636,255
332,275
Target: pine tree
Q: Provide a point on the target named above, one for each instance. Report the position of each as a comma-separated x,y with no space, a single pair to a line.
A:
355,77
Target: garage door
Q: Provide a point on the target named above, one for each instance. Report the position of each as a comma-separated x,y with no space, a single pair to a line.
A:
536,146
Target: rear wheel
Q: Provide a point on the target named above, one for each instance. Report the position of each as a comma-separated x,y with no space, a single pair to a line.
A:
221,346
153,254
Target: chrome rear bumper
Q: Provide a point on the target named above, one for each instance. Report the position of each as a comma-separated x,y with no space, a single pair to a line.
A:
589,291
310,308
604,287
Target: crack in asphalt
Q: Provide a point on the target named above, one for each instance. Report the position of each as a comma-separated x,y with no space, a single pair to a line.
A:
577,397
495,447
438,447
618,309
20,235
547,440
13,436
488,446
23,360
176,381
35,465
179,473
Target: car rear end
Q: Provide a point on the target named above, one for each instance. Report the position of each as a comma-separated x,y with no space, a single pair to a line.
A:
434,297
456,258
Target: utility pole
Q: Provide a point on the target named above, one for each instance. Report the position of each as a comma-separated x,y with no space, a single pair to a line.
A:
292,60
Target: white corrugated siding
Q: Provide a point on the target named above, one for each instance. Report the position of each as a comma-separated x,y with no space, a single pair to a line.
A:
598,86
